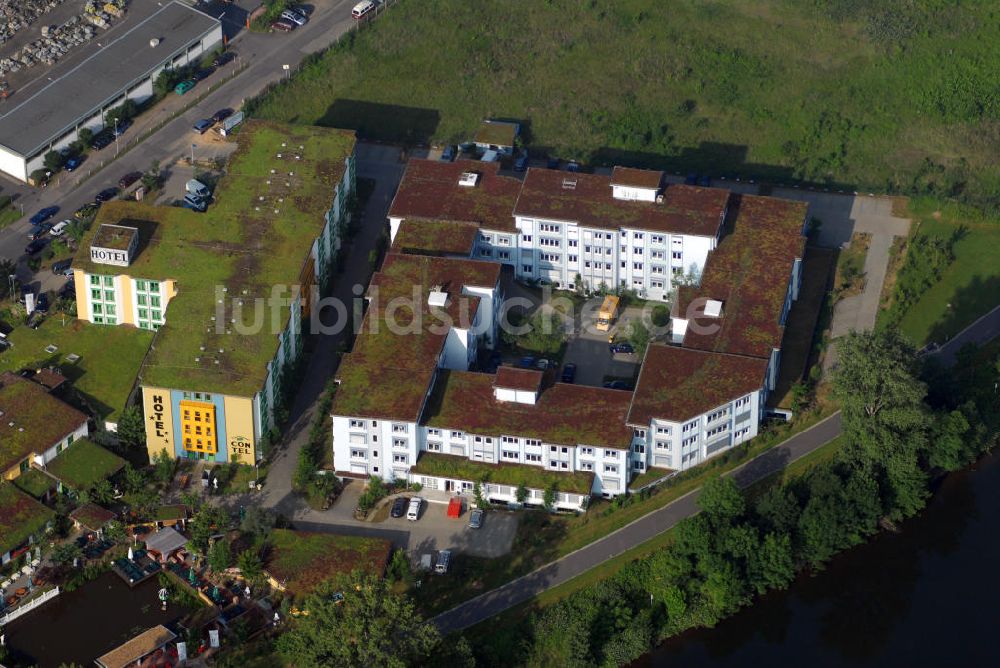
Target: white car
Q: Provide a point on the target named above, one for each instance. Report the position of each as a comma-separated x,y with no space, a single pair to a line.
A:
294,17
59,228
413,512
362,9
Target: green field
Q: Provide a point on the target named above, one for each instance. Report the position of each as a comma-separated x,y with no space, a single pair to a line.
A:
888,96
970,286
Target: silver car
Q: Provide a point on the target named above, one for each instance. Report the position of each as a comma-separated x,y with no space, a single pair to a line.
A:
476,518
294,17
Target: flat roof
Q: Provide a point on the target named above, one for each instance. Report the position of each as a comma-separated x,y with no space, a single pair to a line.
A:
429,189
631,177
142,645
91,516
115,237
389,372
587,199
435,237
31,419
678,384
84,464
31,123
512,378
564,414
498,133
20,516
241,244
749,273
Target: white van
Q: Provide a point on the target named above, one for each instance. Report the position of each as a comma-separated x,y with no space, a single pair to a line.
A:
362,8
413,512
198,189
443,561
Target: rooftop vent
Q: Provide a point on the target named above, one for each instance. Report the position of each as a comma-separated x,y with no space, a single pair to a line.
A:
437,298
659,199
569,184
713,308
468,179
155,42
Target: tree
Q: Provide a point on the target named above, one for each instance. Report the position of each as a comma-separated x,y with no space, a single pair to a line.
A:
258,522
86,136
722,500
164,465
102,493
772,565
521,494
151,178
132,429
7,268
477,496
219,555
65,553
549,498
638,336
134,479
166,81
53,161
250,565
885,421
949,447
207,522
365,624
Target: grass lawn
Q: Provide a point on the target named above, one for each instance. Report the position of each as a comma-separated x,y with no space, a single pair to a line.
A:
880,95
818,456
969,287
109,358
648,476
84,464
302,560
20,516
242,475
8,215
542,537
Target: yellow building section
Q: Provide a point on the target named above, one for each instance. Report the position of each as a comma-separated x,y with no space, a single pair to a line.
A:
127,313
198,427
159,421
82,294
239,430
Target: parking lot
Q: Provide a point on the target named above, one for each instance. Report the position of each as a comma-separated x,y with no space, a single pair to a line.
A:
588,349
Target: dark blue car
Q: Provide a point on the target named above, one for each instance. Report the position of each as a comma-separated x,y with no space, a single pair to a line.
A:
44,215
527,362
73,163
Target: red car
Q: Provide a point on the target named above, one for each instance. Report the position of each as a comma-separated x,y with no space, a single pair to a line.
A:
283,26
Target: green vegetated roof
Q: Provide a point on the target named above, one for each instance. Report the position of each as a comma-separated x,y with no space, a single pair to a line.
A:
35,483
84,463
20,516
499,133
749,273
564,414
389,371
92,516
257,234
435,237
31,419
301,560
532,477
109,358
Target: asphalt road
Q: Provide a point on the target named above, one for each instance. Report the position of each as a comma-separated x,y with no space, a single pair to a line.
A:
985,329
262,54
646,527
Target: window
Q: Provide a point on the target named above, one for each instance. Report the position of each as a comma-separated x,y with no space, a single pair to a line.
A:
509,454
374,423
658,269
399,443
640,433
663,430
503,241
678,271
656,255
742,402
503,255
640,448
479,439
588,452
572,258
154,302
110,321
610,468
572,243
95,280
553,463
96,308
612,454
586,466
657,239
637,250
399,428
656,285
109,281
526,268
526,238
565,450
532,458
607,236
552,448
545,227
553,243
637,235
154,315
433,432
532,441
551,257
358,454
109,296
143,314
141,300
458,435
95,294
564,465
662,445
508,439
357,424
586,264
637,266
433,447
400,459
110,309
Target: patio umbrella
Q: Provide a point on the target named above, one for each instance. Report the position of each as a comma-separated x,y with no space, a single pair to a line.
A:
215,593
131,555
192,578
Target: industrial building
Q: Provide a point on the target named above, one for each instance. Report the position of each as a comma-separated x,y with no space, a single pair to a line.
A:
125,67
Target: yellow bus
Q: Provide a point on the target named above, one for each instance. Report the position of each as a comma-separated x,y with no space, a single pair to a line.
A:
608,313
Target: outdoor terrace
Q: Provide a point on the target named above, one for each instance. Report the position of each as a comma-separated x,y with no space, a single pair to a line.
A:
531,477
20,517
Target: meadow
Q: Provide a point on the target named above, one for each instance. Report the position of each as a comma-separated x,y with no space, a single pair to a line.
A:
891,97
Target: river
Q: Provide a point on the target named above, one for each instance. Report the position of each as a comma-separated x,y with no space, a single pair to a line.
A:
924,596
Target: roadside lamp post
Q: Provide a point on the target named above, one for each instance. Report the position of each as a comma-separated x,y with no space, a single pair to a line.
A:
116,136
192,154
288,71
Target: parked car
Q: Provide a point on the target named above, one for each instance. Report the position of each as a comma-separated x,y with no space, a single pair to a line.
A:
35,246
399,506
69,288
552,163
527,362
105,195
223,58
413,512
63,267
521,163
624,348
443,561
101,140
221,115
194,203
73,163
43,215
618,385
203,73
283,26
691,179
59,228
184,86
476,518
203,125
542,364
572,167
121,127
362,9
42,302
127,180
705,181
38,231
197,188
569,373
303,10
294,17
448,154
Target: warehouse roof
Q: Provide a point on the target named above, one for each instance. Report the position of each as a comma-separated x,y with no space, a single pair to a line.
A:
30,123
588,200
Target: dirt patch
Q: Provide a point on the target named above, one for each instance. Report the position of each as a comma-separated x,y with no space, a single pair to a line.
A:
849,279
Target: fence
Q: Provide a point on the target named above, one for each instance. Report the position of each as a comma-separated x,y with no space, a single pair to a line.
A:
29,606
